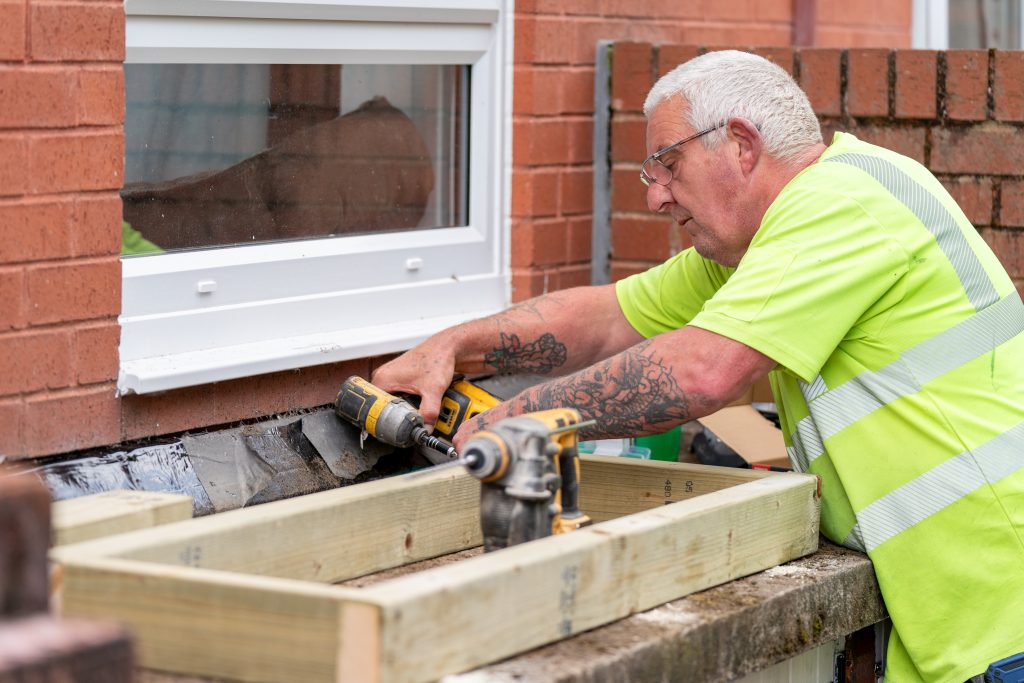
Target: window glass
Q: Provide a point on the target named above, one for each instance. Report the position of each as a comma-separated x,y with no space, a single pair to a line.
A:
230,154
980,24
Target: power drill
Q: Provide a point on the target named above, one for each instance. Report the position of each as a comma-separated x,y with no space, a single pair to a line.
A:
385,417
529,470
462,401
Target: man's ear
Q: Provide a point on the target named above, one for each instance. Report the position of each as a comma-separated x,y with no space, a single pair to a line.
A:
749,145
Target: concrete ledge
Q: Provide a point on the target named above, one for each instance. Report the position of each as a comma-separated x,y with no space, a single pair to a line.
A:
719,634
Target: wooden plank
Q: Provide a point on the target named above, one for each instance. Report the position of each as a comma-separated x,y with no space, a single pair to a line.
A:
461,616
611,486
325,537
115,512
210,623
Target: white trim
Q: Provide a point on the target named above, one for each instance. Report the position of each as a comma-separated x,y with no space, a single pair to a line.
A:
930,24
447,11
197,317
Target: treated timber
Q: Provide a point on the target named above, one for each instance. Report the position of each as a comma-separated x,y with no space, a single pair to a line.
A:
253,610
114,512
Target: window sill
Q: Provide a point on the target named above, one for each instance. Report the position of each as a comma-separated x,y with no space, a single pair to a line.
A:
161,373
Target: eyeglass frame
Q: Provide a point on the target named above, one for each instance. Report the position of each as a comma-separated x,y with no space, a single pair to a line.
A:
648,179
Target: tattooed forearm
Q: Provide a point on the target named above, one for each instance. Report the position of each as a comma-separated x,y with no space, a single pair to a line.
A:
630,394
538,357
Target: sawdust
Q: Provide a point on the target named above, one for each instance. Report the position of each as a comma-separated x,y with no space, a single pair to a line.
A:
411,568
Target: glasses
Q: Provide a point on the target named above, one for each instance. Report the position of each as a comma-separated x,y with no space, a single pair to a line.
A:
653,171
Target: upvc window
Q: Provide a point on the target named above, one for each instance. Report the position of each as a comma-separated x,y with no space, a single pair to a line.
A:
968,24
308,181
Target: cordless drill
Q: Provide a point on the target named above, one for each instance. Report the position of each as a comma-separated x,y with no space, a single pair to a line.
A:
529,470
385,417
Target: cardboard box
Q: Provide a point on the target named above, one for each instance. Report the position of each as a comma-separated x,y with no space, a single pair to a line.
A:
747,432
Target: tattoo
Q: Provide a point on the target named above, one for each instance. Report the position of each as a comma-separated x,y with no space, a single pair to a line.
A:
538,357
630,394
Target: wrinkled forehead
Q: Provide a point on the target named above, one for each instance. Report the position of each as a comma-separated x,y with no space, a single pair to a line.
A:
667,124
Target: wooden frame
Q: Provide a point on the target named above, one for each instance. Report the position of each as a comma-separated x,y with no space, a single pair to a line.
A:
115,512
247,594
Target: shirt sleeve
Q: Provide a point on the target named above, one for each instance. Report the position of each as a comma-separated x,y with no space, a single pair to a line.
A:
817,264
669,295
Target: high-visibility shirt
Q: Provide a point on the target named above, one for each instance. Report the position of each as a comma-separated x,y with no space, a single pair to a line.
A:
900,382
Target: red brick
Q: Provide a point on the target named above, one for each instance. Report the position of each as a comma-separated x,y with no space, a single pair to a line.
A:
35,230
819,78
538,142
523,90
11,414
783,56
1008,246
990,149
543,40
30,361
13,164
535,192
581,141
96,352
671,56
629,138
577,191
69,32
974,196
37,97
97,225
527,283
623,269
66,162
12,298
1011,205
916,84
640,239
241,399
967,84
907,141
539,243
101,96
1008,85
578,91
587,33
632,68
575,276
774,10
867,84
628,193
580,242
74,291
12,30
71,420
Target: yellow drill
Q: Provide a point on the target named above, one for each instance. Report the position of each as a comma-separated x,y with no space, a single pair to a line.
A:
385,417
529,470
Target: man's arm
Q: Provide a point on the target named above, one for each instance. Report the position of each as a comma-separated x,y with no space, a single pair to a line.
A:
648,388
553,334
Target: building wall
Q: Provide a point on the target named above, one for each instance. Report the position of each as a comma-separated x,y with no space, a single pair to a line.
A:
61,165
959,112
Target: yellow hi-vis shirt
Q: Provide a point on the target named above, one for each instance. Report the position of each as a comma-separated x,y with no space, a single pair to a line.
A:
900,382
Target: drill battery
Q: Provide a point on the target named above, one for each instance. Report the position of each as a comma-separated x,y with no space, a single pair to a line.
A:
1009,670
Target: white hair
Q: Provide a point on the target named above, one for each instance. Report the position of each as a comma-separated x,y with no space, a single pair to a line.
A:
719,85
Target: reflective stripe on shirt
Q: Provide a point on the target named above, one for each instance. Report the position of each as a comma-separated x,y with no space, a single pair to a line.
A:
839,408
939,488
936,218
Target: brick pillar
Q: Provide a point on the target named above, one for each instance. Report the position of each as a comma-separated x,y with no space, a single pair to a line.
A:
61,166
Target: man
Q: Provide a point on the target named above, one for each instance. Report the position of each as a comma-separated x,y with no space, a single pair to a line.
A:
892,336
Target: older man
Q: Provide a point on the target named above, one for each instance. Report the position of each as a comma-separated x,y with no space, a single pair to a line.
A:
893,338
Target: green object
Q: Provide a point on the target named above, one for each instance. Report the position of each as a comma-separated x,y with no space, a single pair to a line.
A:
664,446
133,243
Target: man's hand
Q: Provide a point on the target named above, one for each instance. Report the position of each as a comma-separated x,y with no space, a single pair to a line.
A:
425,371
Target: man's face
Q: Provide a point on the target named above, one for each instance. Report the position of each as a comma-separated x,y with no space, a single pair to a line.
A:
705,193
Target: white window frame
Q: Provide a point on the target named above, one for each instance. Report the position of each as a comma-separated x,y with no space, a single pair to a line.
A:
196,317
930,24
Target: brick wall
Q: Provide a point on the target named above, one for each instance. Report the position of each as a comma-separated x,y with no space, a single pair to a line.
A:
959,112
61,165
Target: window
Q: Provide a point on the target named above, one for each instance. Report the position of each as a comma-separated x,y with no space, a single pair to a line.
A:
968,24
307,182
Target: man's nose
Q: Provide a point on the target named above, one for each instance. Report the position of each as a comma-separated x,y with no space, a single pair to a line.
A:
657,197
